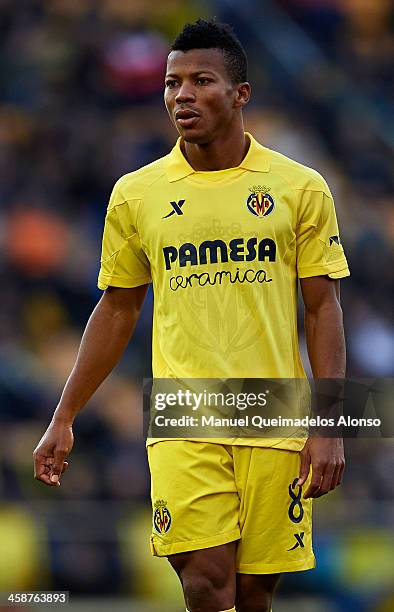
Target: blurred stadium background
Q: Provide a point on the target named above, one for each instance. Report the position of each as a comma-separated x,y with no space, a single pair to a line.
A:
81,104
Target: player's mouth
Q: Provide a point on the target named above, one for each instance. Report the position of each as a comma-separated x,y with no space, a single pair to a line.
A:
186,117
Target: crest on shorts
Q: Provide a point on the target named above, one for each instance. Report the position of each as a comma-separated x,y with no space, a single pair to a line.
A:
161,517
260,203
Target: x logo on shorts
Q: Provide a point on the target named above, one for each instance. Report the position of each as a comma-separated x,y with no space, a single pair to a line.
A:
299,537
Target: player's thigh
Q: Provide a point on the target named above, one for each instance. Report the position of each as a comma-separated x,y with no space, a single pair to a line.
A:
194,497
216,564
275,521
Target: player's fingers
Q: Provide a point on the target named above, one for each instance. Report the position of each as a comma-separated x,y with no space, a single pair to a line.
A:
39,464
335,477
326,481
42,473
341,471
39,469
57,467
50,474
46,479
304,467
314,487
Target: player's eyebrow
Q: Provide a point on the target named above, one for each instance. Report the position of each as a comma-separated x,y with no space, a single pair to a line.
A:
193,74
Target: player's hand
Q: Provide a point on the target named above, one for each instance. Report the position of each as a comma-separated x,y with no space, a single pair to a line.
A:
51,452
327,458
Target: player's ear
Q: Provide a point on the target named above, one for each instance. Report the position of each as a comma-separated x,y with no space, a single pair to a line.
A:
242,94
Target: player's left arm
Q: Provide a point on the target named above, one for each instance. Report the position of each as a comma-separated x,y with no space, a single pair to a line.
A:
327,354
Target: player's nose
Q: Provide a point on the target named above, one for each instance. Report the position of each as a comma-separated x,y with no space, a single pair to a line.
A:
185,94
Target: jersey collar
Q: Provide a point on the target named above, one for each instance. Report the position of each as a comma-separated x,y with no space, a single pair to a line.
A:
257,159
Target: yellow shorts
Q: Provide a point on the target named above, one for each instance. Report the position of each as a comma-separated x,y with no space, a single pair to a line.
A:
206,494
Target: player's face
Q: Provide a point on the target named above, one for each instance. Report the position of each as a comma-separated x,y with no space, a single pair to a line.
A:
200,98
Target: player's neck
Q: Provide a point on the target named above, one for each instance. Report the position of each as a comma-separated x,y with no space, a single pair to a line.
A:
227,152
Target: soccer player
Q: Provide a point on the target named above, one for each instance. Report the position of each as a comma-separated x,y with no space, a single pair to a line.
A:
224,228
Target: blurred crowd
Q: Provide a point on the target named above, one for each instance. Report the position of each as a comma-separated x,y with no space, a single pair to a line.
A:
81,104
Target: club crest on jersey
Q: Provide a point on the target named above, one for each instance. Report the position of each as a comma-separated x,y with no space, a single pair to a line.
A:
161,517
260,203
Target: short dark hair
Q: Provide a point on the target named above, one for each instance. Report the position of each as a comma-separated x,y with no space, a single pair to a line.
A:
213,35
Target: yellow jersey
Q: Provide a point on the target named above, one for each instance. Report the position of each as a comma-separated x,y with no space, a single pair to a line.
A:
224,250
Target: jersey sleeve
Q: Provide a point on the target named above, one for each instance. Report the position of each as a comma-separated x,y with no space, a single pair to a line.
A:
319,249
123,261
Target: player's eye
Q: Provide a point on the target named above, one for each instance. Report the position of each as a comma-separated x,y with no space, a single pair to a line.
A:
203,81
170,83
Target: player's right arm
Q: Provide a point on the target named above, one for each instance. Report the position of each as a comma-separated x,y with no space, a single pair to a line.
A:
106,336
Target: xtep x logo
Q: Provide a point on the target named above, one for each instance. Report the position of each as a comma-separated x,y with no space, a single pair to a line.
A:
176,208
299,537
